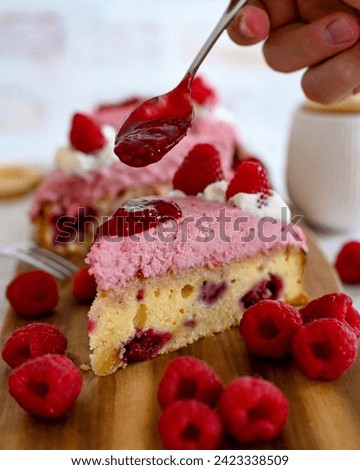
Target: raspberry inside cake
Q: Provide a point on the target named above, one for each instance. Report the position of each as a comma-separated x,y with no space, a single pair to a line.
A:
188,274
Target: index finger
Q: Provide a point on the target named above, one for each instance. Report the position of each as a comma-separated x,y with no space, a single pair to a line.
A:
280,13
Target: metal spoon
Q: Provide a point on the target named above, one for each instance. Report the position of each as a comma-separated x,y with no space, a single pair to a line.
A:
222,24
159,123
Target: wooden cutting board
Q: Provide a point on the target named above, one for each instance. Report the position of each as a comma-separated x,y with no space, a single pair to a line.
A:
121,411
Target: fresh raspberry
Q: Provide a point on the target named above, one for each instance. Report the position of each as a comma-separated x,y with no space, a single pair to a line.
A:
201,167
253,409
32,341
336,305
84,286
202,92
85,134
269,326
249,158
189,378
348,263
325,349
190,425
250,177
46,386
33,293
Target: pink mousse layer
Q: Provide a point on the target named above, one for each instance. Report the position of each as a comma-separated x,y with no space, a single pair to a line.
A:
81,190
114,262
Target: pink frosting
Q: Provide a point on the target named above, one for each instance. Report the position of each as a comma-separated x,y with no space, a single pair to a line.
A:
80,190
116,261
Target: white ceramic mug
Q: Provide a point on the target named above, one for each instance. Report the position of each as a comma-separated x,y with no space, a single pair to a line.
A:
323,166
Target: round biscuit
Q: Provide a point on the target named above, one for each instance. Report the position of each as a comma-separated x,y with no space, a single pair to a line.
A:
16,180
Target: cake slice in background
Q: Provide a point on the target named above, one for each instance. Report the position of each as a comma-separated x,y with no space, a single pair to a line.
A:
89,182
175,269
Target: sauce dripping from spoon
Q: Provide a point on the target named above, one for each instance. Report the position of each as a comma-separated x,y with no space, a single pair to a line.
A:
159,123
155,126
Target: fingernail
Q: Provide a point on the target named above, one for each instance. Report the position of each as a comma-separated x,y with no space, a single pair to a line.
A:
339,32
244,30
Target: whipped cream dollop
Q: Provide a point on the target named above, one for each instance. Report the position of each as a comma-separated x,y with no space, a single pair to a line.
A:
263,206
256,204
72,161
218,111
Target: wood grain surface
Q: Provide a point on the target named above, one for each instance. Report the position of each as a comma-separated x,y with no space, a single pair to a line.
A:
121,411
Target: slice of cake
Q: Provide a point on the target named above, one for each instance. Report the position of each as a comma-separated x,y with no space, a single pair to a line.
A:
89,182
175,269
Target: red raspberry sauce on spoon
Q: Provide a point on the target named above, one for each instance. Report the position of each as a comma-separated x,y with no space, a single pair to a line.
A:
155,126
158,124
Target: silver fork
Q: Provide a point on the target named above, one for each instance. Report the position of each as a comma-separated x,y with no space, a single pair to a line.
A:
41,258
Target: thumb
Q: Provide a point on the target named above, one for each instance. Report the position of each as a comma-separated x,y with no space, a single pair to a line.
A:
250,26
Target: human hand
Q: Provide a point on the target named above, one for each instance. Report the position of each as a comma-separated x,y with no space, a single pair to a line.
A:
319,35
